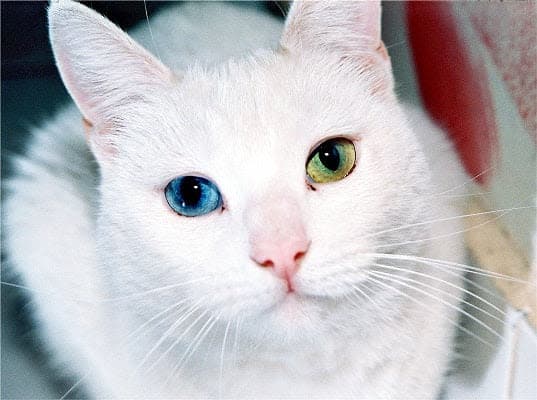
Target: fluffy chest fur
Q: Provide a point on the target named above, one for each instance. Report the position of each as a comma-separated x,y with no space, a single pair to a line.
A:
157,304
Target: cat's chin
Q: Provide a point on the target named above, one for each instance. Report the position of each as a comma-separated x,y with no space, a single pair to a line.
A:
290,319
290,307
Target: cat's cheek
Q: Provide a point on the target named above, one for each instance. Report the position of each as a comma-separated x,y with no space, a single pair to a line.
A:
341,215
192,240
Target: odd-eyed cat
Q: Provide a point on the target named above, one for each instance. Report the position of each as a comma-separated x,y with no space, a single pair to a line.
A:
243,236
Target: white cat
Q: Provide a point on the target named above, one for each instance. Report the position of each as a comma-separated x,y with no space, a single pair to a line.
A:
258,228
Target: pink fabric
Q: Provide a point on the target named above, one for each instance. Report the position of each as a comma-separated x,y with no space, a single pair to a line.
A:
453,83
509,32
452,76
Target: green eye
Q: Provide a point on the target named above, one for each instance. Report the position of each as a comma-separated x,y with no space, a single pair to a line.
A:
331,161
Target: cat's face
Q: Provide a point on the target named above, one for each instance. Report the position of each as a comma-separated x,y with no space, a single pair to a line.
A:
279,250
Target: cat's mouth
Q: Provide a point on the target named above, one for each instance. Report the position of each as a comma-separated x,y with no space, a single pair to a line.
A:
300,298
291,302
290,307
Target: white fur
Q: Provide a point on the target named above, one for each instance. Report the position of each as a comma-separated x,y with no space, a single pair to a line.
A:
249,125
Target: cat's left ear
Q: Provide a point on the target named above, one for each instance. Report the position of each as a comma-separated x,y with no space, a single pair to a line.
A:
348,29
104,70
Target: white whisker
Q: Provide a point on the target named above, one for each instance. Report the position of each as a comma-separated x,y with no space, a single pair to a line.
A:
454,265
448,270
105,300
48,293
236,340
401,42
221,373
126,342
365,295
74,386
503,212
443,235
130,335
456,324
351,300
461,195
154,290
406,279
167,333
151,32
467,182
194,344
468,292
459,309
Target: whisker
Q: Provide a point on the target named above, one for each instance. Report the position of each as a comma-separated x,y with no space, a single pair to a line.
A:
48,293
222,359
154,290
151,31
467,182
166,334
453,265
504,211
351,300
401,42
444,235
74,386
284,14
456,324
460,310
236,340
105,300
466,291
460,195
367,297
447,270
130,335
194,344
406,279
359,290
123,344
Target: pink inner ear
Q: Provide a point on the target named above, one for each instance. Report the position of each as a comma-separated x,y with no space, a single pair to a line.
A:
87,127
383,52
99,143
72,83
371,20
349,25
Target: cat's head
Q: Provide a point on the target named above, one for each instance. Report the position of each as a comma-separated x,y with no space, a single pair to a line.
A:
256,186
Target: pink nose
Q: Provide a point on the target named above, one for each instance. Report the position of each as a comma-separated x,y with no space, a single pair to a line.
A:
283,258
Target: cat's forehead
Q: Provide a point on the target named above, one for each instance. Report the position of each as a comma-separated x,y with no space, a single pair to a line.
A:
269,97
266,113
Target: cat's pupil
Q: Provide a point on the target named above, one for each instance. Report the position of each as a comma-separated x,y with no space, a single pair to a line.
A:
190,191
329,156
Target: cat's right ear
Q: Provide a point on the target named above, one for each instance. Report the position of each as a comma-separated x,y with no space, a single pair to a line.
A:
104,70
350,30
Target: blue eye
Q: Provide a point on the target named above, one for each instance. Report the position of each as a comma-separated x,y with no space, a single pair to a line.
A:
192,196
